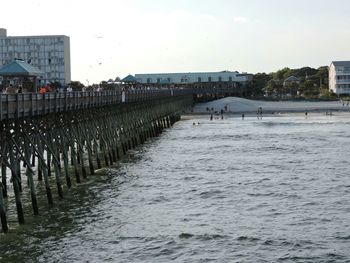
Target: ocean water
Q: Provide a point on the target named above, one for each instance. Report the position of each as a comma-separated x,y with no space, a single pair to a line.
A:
231,190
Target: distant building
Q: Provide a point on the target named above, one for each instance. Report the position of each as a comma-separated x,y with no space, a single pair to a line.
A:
291,85
196,78
291,79
50,53
339,77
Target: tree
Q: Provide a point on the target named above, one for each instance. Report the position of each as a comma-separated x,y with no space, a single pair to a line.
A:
291,88
282,74
107,86
322,75
309,88
310,81
274,87
259,84
56,85
305,72
76,85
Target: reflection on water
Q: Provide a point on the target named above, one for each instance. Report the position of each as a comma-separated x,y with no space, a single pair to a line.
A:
275,190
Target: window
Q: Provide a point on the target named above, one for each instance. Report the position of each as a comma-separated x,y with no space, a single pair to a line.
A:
184,78
220,79
209,79
230,79
199,79
158,80
149,80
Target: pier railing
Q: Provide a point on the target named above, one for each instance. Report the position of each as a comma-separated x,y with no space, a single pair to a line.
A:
22,105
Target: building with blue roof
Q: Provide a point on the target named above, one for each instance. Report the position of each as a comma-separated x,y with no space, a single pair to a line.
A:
19,73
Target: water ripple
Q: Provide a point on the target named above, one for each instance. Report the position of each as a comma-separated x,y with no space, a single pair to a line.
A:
276,190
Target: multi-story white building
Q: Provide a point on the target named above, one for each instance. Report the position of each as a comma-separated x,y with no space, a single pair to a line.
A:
223,77
339,77
51,54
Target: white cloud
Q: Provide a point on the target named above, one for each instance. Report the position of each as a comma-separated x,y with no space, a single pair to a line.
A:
241,19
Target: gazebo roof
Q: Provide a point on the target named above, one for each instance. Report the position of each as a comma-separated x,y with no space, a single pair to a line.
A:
20,68
129,78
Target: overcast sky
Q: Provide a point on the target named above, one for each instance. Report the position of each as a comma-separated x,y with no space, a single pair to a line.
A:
111,38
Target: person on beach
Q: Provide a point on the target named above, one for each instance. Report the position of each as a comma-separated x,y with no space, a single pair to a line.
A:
242,116
259,113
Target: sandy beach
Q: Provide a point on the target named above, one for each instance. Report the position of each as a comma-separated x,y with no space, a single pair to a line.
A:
235,105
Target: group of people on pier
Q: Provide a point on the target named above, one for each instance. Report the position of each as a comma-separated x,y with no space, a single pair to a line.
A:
11,89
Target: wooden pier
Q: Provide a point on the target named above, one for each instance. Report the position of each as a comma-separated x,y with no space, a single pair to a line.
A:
50,135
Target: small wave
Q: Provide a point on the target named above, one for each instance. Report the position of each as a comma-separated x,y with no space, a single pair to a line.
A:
209,194
260,194
247,238
202,237
327,257
268,242
211,236
273,124
343,237
293,258
311,204
185,235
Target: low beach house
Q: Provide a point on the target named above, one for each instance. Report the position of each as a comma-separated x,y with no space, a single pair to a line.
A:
339,77
199,79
